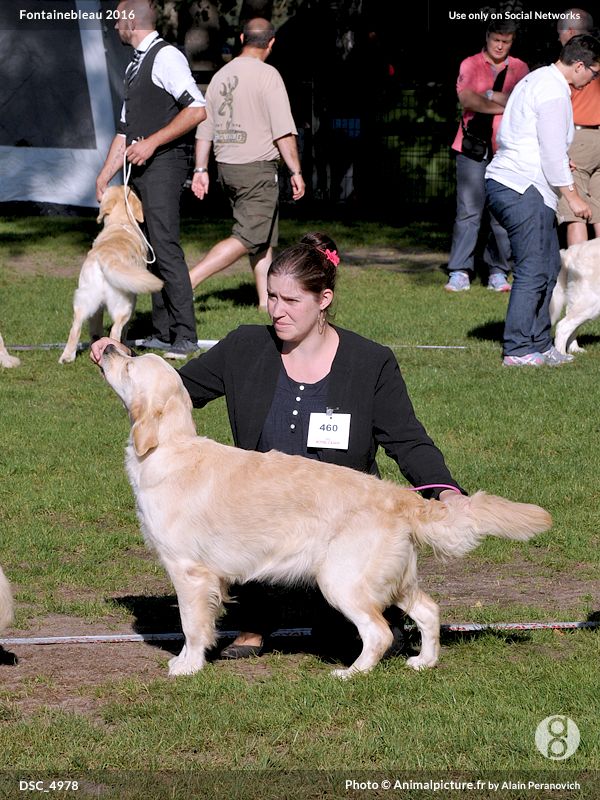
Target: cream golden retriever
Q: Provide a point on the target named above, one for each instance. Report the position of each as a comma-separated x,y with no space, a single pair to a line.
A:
6,603
6,360
113,273
218,515
577,287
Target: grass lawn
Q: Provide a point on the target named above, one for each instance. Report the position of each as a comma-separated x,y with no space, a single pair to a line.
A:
280,726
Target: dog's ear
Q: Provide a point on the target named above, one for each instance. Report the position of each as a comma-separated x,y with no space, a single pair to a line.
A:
109,198
144,431
136,206
144,434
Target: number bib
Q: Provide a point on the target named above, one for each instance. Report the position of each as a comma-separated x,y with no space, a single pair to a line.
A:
329,431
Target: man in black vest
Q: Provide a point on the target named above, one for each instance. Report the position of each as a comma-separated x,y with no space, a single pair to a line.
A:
162,106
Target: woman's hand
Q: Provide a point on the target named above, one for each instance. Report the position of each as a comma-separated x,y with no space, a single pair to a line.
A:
100,345
447,494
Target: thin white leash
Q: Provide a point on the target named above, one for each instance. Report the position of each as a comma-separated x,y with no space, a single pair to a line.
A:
132,219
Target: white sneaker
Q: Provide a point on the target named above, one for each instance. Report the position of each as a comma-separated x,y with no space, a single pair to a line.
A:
497,282
554,358
528,360
458,281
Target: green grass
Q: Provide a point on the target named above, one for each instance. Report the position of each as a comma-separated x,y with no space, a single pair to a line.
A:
71,543
296,717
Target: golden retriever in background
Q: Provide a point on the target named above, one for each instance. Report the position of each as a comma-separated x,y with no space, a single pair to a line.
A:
577,287
113,273
6,603
218,515
6,360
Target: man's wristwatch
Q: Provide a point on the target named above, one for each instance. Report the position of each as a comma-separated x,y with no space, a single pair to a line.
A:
200,169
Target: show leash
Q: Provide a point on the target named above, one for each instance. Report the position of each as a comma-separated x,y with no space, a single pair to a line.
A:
132,219
434,486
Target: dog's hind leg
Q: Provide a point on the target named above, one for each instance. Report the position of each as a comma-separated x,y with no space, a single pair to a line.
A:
422,609
117,328
564,338
199,597
559,295
96,324
373,629
125,328
70,351
120,308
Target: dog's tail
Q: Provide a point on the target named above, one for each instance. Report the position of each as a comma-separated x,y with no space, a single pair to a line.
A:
6,603
454,527
559,295
131,279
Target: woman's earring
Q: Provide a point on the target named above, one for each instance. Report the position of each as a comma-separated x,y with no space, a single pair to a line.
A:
321,321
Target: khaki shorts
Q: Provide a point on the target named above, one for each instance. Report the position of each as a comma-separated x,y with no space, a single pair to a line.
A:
253,191
585,154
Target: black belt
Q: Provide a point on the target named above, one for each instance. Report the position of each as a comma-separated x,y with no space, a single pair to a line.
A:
587,127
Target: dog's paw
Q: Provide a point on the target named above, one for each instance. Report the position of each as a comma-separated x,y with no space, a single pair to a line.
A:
66,358
9,361
419,662
575,348
342,674
183,665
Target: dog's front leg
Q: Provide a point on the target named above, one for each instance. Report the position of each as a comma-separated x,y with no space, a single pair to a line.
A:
199,597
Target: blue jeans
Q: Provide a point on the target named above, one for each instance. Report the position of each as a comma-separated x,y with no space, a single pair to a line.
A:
531,227
470,205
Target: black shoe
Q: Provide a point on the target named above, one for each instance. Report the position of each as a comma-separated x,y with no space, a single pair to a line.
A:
181,349
235,651
154,343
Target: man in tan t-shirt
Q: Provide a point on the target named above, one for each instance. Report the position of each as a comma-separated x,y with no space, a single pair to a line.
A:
250,125
584,152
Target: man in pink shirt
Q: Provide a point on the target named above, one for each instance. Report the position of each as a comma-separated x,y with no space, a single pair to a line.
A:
484,83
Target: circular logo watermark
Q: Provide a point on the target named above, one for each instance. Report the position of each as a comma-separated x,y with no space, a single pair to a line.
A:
557,737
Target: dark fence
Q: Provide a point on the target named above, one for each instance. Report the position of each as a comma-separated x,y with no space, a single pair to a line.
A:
414,144
392,158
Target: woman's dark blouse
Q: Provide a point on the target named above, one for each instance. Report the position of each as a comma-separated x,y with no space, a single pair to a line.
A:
364,381
286,425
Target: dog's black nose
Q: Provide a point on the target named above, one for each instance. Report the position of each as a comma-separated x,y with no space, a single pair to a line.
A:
110,348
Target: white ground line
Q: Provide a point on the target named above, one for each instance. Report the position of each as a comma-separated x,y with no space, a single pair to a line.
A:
206,344
119,638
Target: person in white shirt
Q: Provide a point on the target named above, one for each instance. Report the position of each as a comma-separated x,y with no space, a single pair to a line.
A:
524,180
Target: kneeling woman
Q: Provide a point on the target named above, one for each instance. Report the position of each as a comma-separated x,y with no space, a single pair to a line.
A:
305,387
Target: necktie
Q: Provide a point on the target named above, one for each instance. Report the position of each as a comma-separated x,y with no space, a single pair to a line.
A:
134,66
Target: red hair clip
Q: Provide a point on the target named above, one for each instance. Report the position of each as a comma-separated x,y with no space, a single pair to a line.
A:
332,255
